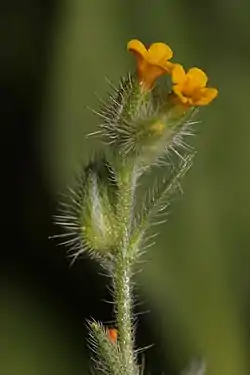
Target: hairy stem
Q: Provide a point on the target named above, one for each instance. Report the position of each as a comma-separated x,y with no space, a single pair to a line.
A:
123,297
127,177
123,269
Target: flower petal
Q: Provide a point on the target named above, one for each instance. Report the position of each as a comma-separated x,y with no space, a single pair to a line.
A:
168,67
207,94
178,74
137,47
178,90
159,53
197,78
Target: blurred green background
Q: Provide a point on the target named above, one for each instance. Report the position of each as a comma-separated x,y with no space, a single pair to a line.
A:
55,56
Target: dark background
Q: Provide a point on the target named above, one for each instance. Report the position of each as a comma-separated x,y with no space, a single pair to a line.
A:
55,56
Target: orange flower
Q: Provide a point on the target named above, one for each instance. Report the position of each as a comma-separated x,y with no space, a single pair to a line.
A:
112,334
152,62
190,88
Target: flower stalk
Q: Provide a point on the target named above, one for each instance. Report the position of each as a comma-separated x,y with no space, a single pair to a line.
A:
142,125
123,298
126,182
123,266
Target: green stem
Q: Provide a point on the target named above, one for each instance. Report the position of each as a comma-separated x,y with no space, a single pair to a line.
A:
123,296
123,269
127,184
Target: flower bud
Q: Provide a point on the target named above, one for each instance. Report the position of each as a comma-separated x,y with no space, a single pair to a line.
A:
97,218
89,215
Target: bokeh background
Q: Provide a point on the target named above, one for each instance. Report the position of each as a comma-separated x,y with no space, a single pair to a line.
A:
55,56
